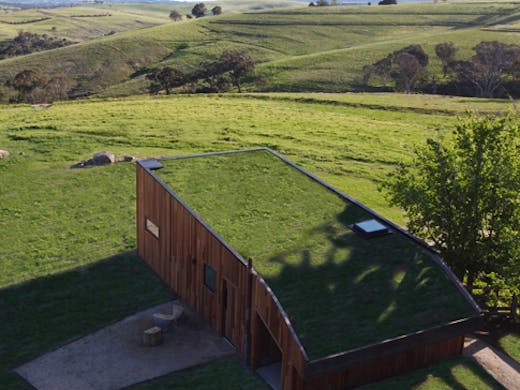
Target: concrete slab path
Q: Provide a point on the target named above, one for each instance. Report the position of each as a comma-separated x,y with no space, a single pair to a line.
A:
115,357
500,366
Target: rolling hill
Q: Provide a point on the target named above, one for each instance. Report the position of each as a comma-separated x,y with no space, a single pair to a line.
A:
297,49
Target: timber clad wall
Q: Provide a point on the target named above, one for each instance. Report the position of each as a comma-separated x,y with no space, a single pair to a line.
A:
244,309
178,257
385,367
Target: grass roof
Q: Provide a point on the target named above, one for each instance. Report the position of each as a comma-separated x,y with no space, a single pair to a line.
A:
339,290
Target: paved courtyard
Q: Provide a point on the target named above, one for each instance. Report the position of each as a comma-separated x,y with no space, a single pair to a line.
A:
115,357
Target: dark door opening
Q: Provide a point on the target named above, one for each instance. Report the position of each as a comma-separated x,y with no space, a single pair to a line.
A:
268,356
228,309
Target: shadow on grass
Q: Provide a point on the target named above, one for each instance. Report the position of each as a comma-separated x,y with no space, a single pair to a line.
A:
352,291
459,373
43,314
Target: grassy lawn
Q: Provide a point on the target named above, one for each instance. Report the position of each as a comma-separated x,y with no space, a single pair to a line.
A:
44,313
458,373
511,344
226,373
54,219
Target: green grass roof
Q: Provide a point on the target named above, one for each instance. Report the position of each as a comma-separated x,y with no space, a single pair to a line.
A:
339,290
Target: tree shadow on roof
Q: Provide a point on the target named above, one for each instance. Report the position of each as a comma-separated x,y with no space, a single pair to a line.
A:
351,291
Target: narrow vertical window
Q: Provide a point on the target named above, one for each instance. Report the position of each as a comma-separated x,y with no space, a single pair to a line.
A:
210,278
152,228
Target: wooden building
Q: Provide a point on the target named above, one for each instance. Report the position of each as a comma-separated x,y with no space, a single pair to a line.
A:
232,294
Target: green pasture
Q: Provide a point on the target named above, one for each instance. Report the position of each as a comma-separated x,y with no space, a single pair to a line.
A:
511,344
77,23
458,373
296,49
54,219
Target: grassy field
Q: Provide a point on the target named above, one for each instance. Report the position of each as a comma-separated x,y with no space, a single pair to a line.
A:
324,275
54,219
79,23
227,373
298,49
511,344
459,373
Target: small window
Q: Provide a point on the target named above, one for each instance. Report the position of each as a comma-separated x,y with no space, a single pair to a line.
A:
152,228
210,278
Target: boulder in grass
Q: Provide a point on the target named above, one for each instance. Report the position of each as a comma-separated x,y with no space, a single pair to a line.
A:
3,154
103,158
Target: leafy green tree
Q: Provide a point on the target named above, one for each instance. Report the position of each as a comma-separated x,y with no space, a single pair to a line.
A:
446,52
175,16
166,79
406,71
406,66
492,63
464,196
238,64
199,10
28,83
216,10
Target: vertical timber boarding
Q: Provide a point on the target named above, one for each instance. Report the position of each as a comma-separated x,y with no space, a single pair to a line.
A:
178,256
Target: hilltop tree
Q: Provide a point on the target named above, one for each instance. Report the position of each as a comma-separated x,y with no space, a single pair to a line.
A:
199,10
217,10
446,52
463,196
175,16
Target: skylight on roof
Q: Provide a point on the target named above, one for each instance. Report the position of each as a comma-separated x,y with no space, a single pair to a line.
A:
370,228
151,163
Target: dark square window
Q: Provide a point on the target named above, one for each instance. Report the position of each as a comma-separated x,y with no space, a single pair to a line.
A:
210,278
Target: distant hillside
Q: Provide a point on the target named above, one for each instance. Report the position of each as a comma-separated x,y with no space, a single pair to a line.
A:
299,49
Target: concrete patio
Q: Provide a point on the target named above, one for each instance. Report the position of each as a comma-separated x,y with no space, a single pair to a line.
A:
115,357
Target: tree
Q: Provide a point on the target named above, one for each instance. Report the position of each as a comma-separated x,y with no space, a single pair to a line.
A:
487,69
238,63
415,50
464,196
27,83
406,66
175,16
383,68
217,10
406,70
166,79
446,52
199,10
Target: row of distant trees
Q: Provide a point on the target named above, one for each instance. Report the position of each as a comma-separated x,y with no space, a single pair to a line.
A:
494,70
26,42
210,76
33,86
199,10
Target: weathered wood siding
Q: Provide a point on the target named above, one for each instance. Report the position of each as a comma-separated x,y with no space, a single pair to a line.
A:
388,366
